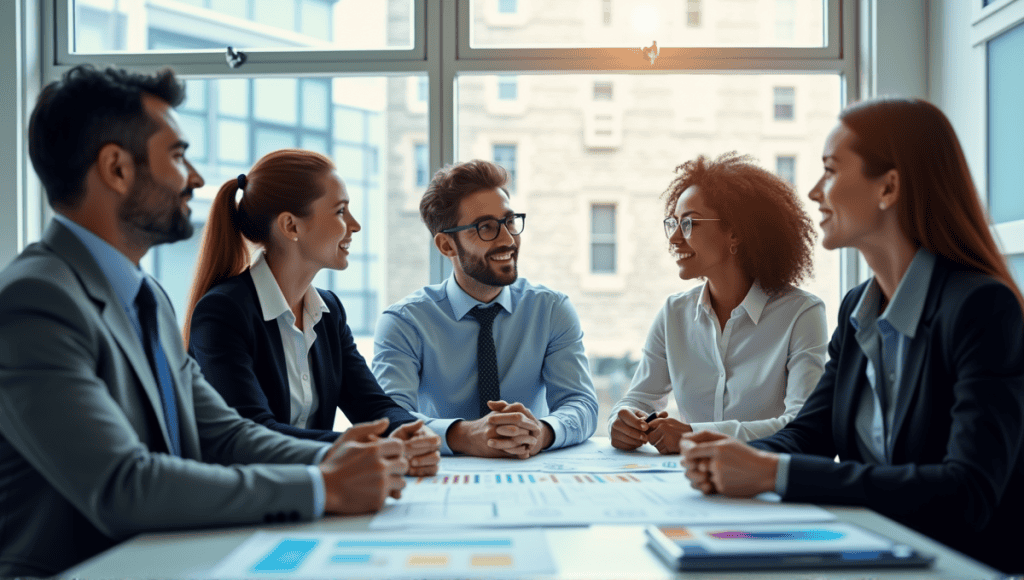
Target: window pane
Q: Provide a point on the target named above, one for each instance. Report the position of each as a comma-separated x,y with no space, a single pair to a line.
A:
369,284
602,258
1017,268
233,141
316,103
586,202
290,25
785,167
422,160
269,139
602,219
673,23
275,100
785,101
1005,125
233,97
508,89
505,156
348,124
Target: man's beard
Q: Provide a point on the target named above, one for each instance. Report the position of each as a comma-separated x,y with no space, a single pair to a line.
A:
479,268
164,225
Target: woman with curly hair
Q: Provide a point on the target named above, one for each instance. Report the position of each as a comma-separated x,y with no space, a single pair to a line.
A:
741,352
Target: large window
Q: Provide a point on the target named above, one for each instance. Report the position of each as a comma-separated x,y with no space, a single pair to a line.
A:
555,91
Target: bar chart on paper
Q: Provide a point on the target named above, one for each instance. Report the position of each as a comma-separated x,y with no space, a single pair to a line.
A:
510,554
542,499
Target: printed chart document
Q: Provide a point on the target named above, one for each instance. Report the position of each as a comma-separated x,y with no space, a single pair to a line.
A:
491,554
591,456
549,499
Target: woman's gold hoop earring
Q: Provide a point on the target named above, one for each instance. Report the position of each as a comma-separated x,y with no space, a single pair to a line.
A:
732,249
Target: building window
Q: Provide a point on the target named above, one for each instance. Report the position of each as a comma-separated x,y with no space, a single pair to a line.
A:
508,6
1005,125
422,86
693,13
508,88
785,167
606,12
785,103
604,91
602,238
505,156
422,159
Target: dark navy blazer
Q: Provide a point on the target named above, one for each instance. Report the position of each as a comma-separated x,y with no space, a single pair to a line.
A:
243,358
957,449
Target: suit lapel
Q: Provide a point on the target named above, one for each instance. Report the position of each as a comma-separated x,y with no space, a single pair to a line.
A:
853,377
69,248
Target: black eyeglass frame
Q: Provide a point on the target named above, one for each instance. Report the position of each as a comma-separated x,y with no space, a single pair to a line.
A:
672,223
497,230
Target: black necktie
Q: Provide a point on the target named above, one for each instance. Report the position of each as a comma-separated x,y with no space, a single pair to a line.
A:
486,358
158,363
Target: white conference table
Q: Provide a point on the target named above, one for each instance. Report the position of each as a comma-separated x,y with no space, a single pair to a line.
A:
598,551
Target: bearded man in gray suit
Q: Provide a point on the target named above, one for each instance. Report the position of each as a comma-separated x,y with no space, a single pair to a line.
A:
107,427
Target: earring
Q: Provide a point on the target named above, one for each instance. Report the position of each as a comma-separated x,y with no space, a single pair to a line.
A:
295,239
732,249
882,206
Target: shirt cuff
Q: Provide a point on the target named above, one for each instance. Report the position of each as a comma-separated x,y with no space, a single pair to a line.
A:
319,490
441,427
558,429
782,474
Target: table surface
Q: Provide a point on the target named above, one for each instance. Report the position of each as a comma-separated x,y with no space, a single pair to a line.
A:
600,551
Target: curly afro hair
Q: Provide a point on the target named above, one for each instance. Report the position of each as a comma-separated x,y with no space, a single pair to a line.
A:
762,208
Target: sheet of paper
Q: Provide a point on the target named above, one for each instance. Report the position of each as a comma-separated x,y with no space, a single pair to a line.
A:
491,554
549,499
588,457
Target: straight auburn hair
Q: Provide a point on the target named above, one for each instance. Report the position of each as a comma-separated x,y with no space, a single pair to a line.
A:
287,180
938,208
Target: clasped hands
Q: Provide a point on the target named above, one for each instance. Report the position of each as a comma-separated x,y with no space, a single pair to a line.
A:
362,468
718,463
631,430
509,430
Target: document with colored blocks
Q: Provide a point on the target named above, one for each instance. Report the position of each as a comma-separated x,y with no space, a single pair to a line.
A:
484,554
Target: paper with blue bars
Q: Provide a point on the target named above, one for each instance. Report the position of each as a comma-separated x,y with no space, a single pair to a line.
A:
483,554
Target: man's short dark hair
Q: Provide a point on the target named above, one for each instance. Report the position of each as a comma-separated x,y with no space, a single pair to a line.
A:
439,207
82,112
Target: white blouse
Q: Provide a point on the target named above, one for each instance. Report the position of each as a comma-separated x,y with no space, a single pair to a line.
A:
296,343
746,380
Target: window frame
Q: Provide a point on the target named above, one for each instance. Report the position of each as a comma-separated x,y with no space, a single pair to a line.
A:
441,37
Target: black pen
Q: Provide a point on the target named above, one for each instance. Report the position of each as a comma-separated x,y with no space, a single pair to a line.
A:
652,417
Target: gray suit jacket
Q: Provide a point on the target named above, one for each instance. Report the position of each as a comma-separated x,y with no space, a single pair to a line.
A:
83,462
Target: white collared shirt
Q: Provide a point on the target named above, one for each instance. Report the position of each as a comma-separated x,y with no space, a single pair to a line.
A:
296,343
748,379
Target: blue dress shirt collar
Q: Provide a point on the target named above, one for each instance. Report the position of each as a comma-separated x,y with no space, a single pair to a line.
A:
904,310
124,276
462,302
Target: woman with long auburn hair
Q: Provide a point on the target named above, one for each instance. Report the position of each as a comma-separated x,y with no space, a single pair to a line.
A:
276,348
923,396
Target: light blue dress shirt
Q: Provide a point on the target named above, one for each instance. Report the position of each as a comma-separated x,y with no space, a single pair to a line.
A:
885,341
425,358
126,279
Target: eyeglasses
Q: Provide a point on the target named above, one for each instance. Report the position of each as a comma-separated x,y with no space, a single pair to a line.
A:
685,225
489,228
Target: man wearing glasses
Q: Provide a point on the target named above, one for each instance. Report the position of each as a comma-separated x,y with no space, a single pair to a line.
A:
489,360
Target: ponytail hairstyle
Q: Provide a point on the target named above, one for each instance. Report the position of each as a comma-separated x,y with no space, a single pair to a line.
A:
288,180
939,208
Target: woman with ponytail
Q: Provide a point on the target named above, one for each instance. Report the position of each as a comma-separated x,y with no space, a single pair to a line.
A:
923,396
277,349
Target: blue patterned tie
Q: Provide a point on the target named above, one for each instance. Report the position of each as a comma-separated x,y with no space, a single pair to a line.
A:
486,358
158,362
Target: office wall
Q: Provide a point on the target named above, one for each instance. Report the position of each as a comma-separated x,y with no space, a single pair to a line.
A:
956,78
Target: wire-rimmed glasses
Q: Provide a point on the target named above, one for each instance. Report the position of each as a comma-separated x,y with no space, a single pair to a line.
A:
685,225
